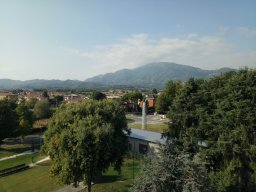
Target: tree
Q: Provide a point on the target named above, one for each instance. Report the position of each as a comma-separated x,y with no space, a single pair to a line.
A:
133,96
26,119
45,94
132,101
221,113
31,103
83,139
165,100
173,170
154,91
42,109
8,120
96,95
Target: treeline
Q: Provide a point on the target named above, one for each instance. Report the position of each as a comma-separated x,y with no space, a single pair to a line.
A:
212,126
17,118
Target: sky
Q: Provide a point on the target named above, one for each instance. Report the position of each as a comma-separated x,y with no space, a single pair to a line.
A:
78,39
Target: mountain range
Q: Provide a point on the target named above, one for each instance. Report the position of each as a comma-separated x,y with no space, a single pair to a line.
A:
153,75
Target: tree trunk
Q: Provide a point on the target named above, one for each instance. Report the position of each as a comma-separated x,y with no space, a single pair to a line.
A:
89,186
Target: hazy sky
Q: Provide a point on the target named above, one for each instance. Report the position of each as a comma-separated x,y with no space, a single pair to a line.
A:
73,39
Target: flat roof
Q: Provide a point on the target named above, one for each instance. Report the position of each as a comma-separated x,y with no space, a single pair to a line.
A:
150,136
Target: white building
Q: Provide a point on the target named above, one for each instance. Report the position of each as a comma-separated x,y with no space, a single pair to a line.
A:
145,142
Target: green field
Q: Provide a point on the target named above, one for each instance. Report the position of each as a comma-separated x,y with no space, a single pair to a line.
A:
38,179
112,181
27,159
33,179
152,127
9,150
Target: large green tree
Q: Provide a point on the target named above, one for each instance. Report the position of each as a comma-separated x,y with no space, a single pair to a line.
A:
220,114
83,139
8,120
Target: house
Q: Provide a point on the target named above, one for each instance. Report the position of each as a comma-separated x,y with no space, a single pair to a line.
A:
150,104
72,98
5,95
145,142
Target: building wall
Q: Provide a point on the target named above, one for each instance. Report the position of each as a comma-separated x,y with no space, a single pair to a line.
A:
138,146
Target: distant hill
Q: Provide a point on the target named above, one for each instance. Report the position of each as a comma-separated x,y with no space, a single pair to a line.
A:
46,84
154,75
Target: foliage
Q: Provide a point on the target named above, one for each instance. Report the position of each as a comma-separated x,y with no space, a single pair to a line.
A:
96,95
42,109
8,120
132,96
45,94
154,91
221,113
57,100
172,170
132,101
31,103
165,100
83,139
26,119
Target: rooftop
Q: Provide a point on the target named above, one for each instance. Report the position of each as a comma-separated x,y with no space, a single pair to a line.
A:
151,136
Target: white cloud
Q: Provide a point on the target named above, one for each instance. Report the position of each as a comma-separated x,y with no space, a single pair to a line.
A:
247,31
207,52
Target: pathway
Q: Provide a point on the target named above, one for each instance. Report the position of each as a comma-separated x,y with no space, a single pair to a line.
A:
70,188
17,155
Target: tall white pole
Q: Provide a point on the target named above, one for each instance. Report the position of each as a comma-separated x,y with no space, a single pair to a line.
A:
144,118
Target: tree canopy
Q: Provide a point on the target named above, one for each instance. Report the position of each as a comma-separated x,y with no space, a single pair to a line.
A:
26,119
220,115
173,170
8,120
42,109
96,95
133,96
83,139
165,99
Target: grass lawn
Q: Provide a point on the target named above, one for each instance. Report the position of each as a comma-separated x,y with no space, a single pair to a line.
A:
130,120
33,179
112,181
38,179
152,127
27,159
9,150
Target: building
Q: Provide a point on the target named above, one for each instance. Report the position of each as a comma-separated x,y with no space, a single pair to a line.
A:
145,142
5,95
72,98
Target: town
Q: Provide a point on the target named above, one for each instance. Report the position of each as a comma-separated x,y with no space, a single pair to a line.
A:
127,96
